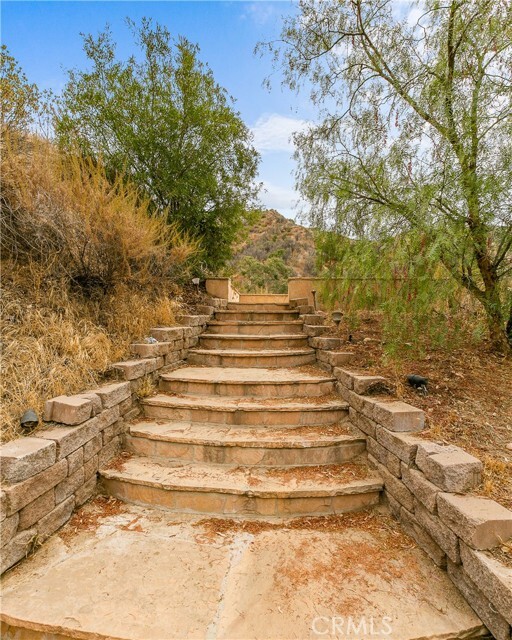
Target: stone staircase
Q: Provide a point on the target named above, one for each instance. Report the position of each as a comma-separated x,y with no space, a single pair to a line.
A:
246,430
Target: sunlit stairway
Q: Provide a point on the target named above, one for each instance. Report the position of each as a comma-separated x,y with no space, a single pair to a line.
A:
250,428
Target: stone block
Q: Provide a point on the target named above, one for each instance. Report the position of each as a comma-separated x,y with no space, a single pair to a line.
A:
326,343
167,334
312,319
126,405
436,528
493,577
132,414
189,320
22,458
485,610
305,309
345,377
48,525
187,332
153,364
68,486
131,369
480,522
92,447
109,451
395,487
393,505
423,489
172,358
339,358
145,350
205,310
75,461
399,416
422,538
68,410
314,330
3,506
8,529
362,422
17,549
91,467
36,510
449,467
23,493
114,430
402,445
86,491
112,394
95,400
363,404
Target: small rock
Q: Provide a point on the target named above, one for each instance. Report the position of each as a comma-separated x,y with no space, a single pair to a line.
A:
150,340
509,446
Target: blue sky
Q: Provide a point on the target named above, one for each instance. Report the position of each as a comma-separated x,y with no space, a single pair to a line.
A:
45,38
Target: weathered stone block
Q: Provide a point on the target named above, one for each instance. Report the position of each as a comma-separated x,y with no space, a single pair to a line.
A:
75,461
131,369
205,310
449,467
167,334
86,491
485,610
326,343
312,319
399,416
145,350
190,320
37,509
492,577
92,447
362,422
153,364
395,487
109,451
114,430
366,385
24,457
68,486
19,547
442,534
3,506
345,377
8,529
422,538
48,525
339,358
91,467
112,394
172,358
402,445
394,505
95,400
480,522
23,493
126,405
425,491
314,330
68,410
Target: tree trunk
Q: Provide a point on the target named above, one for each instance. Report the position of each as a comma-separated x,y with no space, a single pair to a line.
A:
499,334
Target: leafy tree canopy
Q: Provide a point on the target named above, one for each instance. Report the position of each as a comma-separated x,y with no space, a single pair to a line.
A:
416,131
162,118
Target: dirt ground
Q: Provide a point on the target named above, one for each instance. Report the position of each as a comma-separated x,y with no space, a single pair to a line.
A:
469,399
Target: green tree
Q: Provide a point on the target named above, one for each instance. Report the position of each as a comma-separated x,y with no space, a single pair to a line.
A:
416,131
163,119
19,99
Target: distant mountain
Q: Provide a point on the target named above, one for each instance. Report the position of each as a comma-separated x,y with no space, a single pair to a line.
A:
274,234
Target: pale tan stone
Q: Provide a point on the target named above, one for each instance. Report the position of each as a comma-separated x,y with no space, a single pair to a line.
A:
315,331
112,394
75,461
326,343
496,624
22,458
68,486
422,538
366,425
114,430
493,577
109,451
436,528
95,401
3,505
37,509
91,467
17,549
131,369
480,522
92,446
86,491
48,525
345,377
23,493
395,487
450,468
167,334
402,445
423,489
399,416
312,319
8,529
69,410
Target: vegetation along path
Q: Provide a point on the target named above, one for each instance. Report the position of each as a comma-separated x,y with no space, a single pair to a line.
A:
247,509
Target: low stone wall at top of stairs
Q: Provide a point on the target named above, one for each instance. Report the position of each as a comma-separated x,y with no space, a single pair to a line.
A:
45,477
428,486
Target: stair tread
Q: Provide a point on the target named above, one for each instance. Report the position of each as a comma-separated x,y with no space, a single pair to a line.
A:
330,480
240,375
253,322
224,435
245,404
237,336
254,352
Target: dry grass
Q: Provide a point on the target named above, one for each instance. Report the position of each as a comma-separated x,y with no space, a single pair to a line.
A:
85,271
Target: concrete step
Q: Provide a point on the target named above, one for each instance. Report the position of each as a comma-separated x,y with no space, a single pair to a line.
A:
269,328
256,446
252,306
243,491
253,358
239,382
257,316
234,411
258,343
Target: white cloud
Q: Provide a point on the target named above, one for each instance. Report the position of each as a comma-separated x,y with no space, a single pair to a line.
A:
282,199
273,132
260,12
